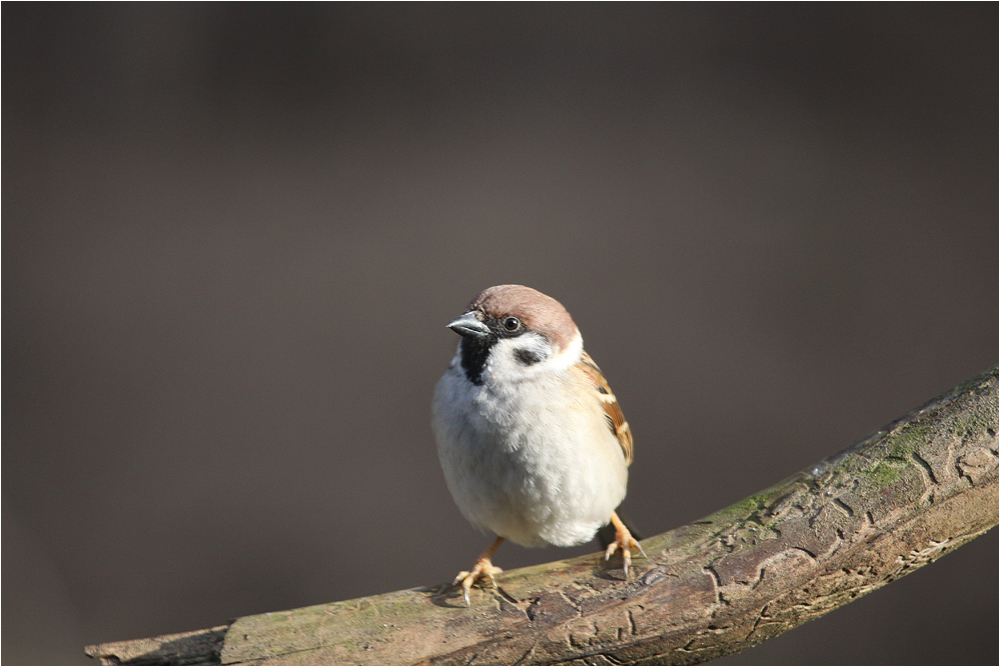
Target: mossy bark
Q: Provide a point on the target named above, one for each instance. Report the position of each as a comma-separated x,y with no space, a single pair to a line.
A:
893,502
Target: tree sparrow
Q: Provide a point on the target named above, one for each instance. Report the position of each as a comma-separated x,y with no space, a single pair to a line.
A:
533,444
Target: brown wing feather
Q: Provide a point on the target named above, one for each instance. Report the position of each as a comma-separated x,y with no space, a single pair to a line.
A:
613,411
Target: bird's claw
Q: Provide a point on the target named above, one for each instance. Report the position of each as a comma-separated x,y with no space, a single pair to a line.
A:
625,542
482,568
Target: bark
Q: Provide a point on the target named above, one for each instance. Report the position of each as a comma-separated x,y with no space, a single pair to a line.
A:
891,503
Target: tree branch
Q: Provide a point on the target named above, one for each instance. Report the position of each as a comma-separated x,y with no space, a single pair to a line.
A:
891,503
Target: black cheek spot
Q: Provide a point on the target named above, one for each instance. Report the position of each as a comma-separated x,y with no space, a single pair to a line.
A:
527,357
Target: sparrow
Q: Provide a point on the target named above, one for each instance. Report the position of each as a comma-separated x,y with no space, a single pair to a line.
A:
532,441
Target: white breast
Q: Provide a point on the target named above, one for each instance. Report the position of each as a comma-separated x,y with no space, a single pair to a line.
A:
531,460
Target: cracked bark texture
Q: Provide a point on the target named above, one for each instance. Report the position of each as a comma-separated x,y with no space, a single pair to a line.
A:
891,503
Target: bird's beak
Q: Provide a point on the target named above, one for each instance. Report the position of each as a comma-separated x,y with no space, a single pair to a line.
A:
469,326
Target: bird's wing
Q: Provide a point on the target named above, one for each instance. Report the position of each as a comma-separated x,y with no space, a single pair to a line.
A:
613,411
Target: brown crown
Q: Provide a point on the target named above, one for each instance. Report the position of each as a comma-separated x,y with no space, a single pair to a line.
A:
537,312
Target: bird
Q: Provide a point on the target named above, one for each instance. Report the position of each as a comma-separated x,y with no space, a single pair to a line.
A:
532,442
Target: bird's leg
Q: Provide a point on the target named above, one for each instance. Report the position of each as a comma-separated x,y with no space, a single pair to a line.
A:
623,541
483,567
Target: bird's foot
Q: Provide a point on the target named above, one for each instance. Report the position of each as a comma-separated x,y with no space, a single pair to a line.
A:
623,541
482,569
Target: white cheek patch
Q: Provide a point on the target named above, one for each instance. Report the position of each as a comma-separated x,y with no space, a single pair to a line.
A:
515,357
530,354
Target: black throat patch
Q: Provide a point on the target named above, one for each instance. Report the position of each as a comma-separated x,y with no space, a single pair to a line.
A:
475,352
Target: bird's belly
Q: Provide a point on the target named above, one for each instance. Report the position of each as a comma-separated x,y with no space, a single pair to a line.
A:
544,480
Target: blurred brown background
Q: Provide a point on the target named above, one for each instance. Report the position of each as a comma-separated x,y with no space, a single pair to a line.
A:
235,234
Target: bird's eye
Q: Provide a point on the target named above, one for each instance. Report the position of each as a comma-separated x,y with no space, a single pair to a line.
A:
512,324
